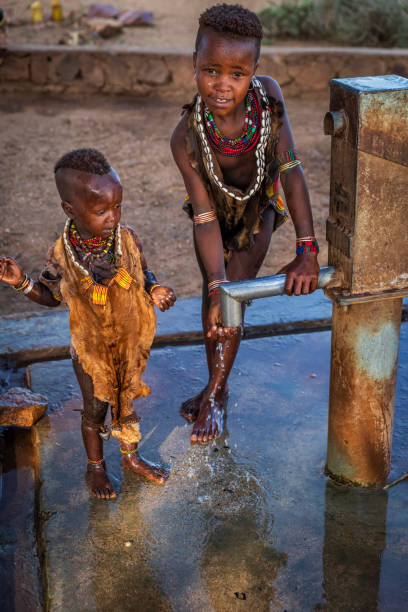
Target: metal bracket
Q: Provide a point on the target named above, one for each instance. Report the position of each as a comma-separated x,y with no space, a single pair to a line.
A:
343,298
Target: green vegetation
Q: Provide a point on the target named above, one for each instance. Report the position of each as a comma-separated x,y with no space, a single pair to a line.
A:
371,23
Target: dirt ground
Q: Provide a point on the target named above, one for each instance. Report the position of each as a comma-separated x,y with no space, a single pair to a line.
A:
175,21
135,137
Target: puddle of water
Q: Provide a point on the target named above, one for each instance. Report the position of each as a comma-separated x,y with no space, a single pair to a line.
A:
249,520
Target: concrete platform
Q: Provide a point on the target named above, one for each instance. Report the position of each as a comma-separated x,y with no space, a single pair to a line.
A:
249,520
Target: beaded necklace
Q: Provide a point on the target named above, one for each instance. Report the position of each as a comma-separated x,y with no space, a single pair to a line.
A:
96,246
234,147
71,254
99,292
264,132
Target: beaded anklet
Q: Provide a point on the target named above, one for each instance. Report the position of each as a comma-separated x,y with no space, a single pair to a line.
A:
26,286
128,452
98,462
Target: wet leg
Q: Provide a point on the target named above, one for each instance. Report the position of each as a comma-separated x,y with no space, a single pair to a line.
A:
191,407
221,354
209,422
93,417
132,460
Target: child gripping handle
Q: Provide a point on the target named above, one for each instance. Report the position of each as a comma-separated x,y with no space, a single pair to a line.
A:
232,146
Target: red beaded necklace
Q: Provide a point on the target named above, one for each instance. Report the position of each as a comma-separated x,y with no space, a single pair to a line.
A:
96,246
234,147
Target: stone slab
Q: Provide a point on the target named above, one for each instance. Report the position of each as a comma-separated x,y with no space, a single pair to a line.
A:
249,520
21,407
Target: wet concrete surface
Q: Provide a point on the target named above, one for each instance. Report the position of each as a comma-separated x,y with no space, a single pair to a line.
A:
248,521
20,572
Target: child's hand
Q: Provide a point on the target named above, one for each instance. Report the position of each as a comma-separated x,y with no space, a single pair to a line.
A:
10,272
163,297
301,274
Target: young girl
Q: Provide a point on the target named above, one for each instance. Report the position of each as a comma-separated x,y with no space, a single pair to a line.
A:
231,146
99,269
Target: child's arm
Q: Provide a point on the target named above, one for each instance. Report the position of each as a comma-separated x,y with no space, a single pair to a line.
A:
162,296
12,274
302,272
207,236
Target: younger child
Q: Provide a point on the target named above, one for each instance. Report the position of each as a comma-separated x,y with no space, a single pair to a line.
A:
231,145
98,268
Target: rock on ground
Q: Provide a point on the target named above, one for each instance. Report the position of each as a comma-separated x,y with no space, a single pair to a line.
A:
21,407
106,28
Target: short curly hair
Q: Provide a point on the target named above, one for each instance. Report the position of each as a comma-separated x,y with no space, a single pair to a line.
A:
234,21
85,160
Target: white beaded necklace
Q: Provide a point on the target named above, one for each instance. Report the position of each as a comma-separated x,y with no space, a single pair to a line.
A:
72,255
265,131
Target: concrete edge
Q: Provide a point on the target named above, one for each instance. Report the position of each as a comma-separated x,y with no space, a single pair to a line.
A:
23,358
19,359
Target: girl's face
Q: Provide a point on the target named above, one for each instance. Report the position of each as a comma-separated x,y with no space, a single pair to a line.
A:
96,210
224,68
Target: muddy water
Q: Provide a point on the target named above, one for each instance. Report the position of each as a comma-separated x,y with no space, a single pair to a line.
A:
249,520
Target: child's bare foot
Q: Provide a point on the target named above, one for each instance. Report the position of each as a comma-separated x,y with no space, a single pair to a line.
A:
209,423
191,407
138,465
98,482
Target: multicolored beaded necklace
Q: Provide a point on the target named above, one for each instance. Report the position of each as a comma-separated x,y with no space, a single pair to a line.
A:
95,247
99,292
234,147
264,133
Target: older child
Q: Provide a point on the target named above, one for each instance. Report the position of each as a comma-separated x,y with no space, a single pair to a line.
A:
231,145
99,269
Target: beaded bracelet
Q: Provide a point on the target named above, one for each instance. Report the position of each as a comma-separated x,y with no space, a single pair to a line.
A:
307,245
214,292
154,287
26,286
288,159
214,286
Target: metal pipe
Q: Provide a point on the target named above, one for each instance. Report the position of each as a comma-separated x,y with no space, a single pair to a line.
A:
233,294
364,359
